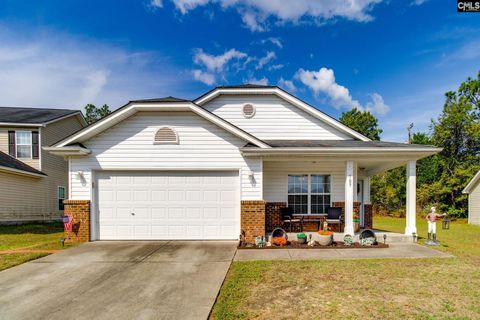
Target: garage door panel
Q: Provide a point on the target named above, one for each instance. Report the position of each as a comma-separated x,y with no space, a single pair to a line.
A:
168,205
175,195
159,213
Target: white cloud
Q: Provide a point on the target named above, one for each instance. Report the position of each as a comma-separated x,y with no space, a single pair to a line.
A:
53,69
323,82
418,2
256,13
204,77
377,105
217,63
276,67
156,3
273,40
265,60
287,85
263,81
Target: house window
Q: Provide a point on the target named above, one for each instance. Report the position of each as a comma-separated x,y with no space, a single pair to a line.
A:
60,197
165,135
24,144
309,193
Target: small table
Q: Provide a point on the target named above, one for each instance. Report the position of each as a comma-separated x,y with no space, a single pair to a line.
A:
318,218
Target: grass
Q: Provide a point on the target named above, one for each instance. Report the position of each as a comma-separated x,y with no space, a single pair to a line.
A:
373,289
28,237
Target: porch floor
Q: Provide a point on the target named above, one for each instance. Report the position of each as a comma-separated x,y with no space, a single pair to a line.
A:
396,250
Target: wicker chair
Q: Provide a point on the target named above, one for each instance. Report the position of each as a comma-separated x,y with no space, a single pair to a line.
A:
287,217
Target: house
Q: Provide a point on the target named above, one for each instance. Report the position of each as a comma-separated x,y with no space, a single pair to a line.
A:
473,191
223,163
33,182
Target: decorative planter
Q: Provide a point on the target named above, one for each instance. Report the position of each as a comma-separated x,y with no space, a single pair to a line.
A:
356,225
302,240
325,240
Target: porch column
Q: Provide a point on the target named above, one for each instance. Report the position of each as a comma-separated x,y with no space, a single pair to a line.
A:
366,190
349,191
411,224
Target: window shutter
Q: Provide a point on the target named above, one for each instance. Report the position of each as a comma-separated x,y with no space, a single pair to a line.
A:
35,148
11,143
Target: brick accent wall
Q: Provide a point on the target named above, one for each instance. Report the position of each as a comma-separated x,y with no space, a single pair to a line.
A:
273,218
80,210
252,219
368,216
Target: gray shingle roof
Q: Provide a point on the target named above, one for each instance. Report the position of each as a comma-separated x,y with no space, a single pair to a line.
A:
246,86
339,144
10,162
164,99
32,115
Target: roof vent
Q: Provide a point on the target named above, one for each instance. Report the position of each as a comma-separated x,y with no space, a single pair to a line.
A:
165,135
248,110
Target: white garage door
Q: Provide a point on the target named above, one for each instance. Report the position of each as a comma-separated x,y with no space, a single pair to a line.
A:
168,205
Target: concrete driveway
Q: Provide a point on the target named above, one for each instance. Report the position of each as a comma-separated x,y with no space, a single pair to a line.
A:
119,280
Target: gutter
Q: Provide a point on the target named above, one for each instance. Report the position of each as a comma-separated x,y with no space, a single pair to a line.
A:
68,151
22,172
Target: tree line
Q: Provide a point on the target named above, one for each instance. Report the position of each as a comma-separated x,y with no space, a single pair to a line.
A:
441,177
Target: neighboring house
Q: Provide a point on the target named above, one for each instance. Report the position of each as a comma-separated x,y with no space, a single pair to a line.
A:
473,191
33,181
227,161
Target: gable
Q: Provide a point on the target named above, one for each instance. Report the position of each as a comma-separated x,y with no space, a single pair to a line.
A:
133,138
274,118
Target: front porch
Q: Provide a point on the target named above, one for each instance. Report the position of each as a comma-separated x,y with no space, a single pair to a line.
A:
313,185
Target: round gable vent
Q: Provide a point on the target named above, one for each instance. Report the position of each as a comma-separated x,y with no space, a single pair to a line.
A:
248,110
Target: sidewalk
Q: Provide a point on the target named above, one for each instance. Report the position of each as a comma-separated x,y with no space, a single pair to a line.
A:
396,250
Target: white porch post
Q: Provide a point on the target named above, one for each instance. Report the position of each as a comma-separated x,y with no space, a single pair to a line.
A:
366,190
411,224
349,191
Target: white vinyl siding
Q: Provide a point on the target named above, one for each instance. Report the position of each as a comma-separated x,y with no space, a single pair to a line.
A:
274,118
275,177
202,146
474,205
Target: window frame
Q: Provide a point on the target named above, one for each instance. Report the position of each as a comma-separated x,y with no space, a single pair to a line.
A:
309,191
20,144
58,197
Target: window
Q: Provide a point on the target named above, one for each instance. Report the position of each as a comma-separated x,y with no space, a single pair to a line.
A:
24,144
61,197
309,194
165,135
248,110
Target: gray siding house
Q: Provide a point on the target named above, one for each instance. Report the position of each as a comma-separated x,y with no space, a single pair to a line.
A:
473,191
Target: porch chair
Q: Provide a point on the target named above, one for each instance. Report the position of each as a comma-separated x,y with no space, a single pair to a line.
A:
335,217
287,217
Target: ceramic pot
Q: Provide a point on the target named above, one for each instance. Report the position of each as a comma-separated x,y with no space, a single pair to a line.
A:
325,240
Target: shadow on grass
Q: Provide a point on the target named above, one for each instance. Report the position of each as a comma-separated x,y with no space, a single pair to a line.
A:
34,228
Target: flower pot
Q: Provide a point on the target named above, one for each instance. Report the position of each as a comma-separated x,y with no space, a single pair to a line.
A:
302,240
325,240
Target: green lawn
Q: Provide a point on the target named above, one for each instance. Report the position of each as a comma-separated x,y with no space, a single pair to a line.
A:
28,237
362,289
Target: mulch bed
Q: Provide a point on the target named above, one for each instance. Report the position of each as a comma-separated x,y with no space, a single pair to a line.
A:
334,245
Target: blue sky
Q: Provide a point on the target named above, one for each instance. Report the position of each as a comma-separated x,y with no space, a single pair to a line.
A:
395,58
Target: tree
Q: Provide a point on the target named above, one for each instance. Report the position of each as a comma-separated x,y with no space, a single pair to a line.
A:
93,114
363,122
457,131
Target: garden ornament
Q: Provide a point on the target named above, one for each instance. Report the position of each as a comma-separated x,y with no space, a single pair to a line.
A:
432,227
